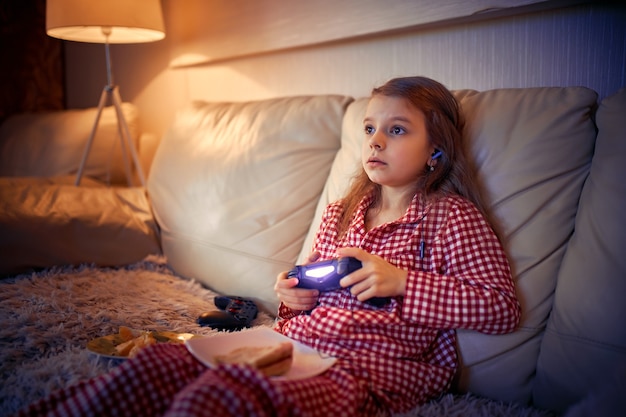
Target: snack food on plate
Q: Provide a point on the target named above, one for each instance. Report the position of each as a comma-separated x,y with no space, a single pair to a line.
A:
132,344
272,360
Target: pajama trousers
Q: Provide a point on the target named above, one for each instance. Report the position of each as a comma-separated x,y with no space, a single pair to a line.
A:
165,379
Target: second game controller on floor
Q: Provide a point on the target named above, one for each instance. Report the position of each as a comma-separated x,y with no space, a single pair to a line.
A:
235,313
324,275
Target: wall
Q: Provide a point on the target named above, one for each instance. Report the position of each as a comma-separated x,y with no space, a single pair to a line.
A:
577,45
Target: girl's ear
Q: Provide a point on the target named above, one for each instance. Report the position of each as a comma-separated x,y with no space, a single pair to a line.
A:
432,162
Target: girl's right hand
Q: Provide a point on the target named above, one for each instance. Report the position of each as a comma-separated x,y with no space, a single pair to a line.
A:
297,299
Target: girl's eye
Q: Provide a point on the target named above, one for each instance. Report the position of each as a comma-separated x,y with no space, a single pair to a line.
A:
369,130
397,130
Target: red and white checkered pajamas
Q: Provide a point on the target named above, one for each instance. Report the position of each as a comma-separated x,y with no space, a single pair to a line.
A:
390,358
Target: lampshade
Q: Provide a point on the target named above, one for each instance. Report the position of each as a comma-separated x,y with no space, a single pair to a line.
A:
129,21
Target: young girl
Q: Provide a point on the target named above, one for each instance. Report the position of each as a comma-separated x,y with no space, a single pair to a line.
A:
431,263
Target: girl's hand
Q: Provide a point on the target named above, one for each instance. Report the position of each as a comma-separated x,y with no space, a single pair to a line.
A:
377,277
297,299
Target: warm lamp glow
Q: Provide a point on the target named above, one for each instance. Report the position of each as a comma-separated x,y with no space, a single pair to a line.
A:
124,21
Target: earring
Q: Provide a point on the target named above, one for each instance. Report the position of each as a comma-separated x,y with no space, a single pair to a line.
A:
431,168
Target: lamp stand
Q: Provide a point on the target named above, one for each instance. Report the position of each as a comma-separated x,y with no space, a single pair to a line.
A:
111,92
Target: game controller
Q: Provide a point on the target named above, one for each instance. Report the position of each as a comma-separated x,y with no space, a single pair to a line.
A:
324,275
235,313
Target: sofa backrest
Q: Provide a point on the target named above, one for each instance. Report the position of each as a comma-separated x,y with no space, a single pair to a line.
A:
234,187
533,150
49,144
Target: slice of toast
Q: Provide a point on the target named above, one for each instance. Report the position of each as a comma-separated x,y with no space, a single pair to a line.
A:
272,360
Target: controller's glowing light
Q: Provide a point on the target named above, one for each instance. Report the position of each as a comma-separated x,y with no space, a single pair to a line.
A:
320,272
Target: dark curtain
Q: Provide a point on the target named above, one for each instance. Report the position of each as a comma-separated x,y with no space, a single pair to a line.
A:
32,64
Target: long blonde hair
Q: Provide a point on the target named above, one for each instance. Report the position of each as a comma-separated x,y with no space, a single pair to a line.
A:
444,124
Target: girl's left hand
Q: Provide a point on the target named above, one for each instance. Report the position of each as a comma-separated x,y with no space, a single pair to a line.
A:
297,299
377,277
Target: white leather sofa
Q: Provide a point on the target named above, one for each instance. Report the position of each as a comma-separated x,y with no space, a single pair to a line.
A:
235,191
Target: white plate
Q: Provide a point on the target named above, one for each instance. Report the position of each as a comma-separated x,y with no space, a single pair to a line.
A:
307,362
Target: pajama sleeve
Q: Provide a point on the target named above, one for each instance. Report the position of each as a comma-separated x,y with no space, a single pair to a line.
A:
468,283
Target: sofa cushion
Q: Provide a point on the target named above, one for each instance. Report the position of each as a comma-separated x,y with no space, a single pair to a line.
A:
533,149
48,221
584,348
234,188
51,144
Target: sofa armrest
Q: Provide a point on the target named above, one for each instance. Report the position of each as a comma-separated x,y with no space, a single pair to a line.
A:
46,222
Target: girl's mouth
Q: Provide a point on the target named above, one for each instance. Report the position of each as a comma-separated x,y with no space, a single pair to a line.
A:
375,162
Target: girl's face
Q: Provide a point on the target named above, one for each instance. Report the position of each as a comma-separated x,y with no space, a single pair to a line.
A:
396,148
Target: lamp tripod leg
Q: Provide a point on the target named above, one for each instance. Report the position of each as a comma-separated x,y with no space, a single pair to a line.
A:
124,147
81,167
121,120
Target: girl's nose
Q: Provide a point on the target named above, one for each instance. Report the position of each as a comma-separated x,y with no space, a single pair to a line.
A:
377,141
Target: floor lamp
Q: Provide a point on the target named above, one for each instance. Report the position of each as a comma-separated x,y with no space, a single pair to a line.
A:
107,22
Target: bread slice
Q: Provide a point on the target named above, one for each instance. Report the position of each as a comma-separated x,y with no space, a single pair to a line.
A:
278,368
272,360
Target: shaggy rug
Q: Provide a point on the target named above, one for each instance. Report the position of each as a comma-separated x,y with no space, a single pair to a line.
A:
48,317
